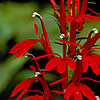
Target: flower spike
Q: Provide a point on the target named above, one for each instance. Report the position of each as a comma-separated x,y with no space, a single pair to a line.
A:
77,89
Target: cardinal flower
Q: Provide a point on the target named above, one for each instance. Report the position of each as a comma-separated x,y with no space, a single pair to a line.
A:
77,90
61,64
92,59
77,15
25,84
23,46
58,62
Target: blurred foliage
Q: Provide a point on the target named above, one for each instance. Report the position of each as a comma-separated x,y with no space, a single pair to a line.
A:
17,24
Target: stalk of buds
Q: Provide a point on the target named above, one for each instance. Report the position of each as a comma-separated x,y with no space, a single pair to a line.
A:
74,89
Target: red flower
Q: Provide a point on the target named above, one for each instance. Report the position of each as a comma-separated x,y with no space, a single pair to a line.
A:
58,62
78,90
23,86
23,46
61,64
77,16
91,41
36,97
92,59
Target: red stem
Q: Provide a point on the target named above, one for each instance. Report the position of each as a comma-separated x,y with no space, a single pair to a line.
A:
73,29
44,83
65,74
46,88
72,36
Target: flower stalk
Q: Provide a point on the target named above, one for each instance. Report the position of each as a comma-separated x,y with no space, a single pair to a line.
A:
76,59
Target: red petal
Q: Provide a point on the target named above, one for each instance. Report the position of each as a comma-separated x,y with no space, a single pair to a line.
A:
22,45
37,97
94,66
46,37
20,95
68,42
63,17
58,81
68,6
69,90
92,41
81,26
85,63
52,63
30,98
96,18
47,55
59,92
61,66
77,3
71,63
84,7
94,11
87,92
23,51
33,68
21,86
89,17
36,30
96,58
54,6
77,93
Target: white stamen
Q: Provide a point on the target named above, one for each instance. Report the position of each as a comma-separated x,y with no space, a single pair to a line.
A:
98,98
95,30
64,90
37,73
29,55
36,14
79,57
62,36
26,56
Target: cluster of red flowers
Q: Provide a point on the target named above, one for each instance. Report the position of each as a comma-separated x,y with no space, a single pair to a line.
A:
85,57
